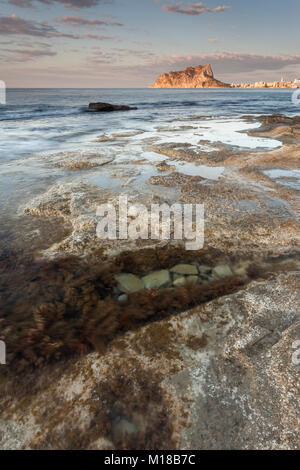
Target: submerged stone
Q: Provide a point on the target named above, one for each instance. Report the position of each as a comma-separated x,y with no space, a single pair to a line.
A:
223,270
157,279
180,281
192,280
123,428
204,269
186,269
129,283
206,280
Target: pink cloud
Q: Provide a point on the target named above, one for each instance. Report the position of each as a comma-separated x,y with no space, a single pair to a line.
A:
25,55
79,21
67,3
98,37
193,9
13,25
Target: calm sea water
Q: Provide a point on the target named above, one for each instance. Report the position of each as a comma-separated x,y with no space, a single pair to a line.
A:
37,120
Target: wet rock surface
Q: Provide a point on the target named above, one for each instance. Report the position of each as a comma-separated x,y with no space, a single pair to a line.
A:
186,269
221,271
129,283
217,376
200,355
80,159
108,108
156,279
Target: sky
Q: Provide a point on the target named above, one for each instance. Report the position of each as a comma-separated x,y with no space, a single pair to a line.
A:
129,43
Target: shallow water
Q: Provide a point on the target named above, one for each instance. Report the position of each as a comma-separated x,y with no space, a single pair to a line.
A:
290,178
52,119
208,172
36,123
278,173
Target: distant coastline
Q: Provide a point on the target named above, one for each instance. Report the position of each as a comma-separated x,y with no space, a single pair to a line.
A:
282,84
201,76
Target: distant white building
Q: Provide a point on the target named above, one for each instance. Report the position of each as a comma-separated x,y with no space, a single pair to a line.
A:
296,83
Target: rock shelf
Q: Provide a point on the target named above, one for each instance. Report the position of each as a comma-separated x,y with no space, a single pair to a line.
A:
159,348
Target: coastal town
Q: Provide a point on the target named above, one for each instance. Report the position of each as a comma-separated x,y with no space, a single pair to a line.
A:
261,84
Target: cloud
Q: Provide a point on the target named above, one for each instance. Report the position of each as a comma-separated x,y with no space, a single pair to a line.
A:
193,9
21,3
67,3
13,25
79,21
227,66
118,55
231,66
213,40
99,38
25,55
142,73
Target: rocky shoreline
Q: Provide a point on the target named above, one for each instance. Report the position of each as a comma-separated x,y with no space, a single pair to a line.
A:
181,350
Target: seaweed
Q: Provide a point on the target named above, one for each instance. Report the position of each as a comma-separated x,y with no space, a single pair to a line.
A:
54,309
134,405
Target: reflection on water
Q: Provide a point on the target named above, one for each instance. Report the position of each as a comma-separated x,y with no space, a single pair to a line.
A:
290,178
208,172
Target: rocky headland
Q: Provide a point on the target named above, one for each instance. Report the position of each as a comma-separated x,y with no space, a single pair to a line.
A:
192,77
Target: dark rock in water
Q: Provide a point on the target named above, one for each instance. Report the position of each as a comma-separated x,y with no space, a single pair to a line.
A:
107,107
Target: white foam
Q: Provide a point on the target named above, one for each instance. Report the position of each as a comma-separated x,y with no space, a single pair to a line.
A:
226,131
